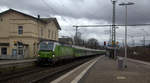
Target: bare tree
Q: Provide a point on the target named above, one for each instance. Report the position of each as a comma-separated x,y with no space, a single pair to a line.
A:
93,43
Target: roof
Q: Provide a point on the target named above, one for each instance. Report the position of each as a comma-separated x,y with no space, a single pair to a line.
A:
44,20
47,20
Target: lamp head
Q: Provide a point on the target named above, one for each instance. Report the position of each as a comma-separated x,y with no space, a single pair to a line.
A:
128,3
114,0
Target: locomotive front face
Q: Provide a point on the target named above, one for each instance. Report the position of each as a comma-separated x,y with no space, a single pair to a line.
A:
46,49
46,52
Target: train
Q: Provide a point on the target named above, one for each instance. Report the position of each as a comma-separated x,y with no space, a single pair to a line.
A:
51,52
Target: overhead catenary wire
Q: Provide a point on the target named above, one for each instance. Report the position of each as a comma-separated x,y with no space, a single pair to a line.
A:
110,25
48,6
52,9
62,5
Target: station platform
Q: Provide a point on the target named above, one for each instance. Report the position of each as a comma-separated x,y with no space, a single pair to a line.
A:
105,70
7,66
6,62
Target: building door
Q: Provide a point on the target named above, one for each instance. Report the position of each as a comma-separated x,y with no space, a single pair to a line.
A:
20,51
4,51
20,48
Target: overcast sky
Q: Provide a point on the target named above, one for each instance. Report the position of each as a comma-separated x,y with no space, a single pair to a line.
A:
86,12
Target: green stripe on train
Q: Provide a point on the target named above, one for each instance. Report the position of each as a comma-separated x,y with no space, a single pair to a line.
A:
63,51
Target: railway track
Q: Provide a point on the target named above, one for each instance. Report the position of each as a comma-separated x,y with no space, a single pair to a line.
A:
10,76
42,75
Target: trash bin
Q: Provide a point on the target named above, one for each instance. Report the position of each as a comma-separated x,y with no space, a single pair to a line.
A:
120,63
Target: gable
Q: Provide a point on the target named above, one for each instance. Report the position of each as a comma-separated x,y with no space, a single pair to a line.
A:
24,16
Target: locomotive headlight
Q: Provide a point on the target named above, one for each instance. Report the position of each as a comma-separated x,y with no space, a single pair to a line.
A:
53,55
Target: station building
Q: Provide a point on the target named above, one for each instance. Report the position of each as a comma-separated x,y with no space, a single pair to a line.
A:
21,33
66,40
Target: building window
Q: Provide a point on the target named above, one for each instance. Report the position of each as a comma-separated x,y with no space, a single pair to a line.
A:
14,52
41,32
52,35
20,50
4,51
1,19
20,30
55,35
48,33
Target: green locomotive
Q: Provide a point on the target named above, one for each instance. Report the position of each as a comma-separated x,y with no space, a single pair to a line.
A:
51,52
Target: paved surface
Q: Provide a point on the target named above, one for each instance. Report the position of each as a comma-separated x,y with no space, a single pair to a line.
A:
76,74
106,71
5,62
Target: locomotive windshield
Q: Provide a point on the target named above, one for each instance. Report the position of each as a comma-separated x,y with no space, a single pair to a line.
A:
46,46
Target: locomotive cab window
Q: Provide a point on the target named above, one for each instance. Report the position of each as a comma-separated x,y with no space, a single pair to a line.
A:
46,46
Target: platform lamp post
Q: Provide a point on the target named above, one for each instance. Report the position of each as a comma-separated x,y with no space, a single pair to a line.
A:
144,35
114,27
126,23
